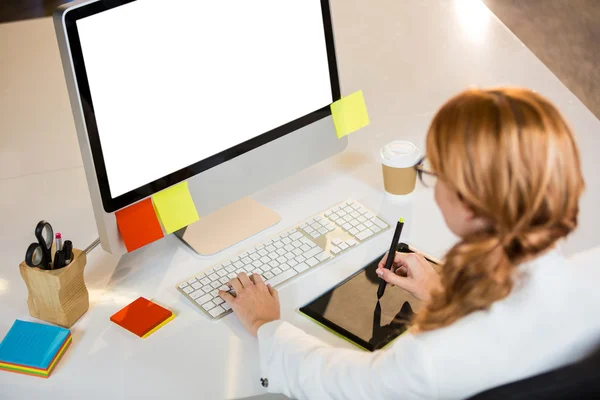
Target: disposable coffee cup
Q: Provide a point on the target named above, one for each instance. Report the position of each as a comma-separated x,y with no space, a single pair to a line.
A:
398,159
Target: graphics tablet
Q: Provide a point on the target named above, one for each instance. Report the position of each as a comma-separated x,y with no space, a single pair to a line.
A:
352,311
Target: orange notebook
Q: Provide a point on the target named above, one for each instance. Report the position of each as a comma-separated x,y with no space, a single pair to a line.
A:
142,317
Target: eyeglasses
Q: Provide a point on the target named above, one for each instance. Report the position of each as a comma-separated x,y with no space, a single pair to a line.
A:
425,173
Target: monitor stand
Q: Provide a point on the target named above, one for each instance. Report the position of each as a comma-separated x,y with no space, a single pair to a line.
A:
227,226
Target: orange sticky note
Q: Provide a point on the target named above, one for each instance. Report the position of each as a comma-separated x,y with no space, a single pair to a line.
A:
142,317
138,224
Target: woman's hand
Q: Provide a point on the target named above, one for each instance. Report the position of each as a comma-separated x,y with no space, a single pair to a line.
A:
411,272
255,303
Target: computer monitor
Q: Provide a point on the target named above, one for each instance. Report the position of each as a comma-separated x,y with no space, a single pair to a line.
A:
231,96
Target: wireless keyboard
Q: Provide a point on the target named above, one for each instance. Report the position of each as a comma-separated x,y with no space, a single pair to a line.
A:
286,255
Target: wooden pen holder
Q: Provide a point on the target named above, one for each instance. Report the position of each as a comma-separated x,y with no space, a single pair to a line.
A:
57,296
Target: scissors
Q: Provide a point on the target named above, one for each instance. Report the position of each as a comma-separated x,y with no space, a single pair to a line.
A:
39,254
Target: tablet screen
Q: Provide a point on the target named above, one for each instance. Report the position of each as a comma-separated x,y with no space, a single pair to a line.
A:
351,309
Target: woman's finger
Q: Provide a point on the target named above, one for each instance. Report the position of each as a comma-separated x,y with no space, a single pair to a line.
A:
258,280
236,285
226,296
273,292
392,278
245,280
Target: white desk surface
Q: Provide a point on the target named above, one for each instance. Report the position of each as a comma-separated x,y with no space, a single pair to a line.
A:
407,56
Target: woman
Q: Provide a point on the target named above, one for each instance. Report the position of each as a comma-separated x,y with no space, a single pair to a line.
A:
507,304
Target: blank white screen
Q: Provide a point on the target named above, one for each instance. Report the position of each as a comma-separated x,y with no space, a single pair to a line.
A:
175,82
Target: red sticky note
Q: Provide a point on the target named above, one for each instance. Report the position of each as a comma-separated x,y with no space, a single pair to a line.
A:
138,224
141,316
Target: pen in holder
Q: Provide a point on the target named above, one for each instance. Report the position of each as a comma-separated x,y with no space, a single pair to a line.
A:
57,296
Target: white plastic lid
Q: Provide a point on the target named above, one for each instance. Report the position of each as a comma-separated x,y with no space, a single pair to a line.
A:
400,154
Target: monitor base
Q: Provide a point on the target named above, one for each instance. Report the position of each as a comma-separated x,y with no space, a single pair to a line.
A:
227,226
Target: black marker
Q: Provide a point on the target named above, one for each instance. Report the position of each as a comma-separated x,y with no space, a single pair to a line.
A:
391,255
68,250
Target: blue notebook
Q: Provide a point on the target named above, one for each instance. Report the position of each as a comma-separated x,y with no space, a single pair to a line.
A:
32,344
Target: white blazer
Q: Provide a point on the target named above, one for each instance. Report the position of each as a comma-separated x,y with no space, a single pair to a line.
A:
551,318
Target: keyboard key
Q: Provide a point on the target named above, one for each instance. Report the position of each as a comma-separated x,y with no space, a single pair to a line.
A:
356,206
315,234
204,299
323,231
355,214
239,271
224,280
197,293
303,225
335,209
273,256
368,215
238,264
288,248
349,209
276,238
292,263
268,275
300,267
330,227
334,217
270,248
284,235
213,277
286,240
274,264
336,241
225,288
347,226
354,223
196,285
208,305
285,266
191,281
297,252
343,246
328,213
222,272
281,260
308,229
259,271
188,289
218,301
215,312
231,275
281,277
297,243
234,259
182,285
336,250
257,264
316,226
216,284
305,247
300,259
365,234
242,255
341,213
263,252
368,224
318,218
205,281
254,256
296,235
290,256
348,218
282,252
312,261
312,252
361,218
322,256
207,289
375,228
306,241
379,223
226,306
278,245
251,251
214,293
353,231
265,259
276,271
351,242
361,227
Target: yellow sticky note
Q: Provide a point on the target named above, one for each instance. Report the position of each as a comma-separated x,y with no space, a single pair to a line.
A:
349,114
175,208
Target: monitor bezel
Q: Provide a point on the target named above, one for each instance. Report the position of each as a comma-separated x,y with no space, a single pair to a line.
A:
111,203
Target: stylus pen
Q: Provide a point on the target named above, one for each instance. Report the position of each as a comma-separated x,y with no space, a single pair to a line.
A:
391,256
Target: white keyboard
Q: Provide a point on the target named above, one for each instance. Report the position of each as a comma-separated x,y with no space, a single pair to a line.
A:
282,257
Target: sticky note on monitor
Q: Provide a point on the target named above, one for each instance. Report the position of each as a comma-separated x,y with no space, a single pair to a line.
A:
349,114
175,207
138,225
